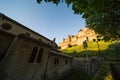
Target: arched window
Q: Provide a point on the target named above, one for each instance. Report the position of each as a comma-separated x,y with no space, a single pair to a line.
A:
39,57
6,26
33,55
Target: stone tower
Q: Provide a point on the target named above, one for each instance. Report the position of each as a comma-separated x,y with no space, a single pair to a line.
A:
83,34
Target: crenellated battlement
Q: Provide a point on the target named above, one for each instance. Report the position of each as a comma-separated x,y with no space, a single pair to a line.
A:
83,34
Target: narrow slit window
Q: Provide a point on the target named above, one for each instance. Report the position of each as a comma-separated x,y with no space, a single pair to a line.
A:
56,61
39,57
33,55
71,61
66,61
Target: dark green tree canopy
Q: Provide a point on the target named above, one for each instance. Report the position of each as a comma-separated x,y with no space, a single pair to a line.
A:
103,16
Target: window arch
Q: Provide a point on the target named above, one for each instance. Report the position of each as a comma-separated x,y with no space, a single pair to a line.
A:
36,55
39,57
33,55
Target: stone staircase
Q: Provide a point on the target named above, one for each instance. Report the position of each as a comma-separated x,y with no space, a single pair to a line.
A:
115,68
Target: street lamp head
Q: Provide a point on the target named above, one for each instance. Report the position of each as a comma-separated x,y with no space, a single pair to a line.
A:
98,36
94,40
98,39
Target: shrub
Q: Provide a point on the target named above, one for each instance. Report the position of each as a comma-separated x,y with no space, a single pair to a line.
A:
113,51
104,73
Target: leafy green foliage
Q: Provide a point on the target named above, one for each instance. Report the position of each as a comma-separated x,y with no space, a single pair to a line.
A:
76,75
79,51
108,50
113,51
104,73
103,16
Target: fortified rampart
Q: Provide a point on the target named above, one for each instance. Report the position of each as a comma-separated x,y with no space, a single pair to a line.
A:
85,34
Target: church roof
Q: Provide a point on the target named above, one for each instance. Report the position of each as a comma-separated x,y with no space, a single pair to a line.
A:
5,17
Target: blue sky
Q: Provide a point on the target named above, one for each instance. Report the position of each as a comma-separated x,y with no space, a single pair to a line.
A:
47,19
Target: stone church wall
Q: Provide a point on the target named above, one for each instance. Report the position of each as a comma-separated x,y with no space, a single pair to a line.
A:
16,65
5,40
16,48
55,71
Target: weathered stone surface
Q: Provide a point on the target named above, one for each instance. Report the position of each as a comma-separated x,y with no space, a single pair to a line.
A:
16,48
85,34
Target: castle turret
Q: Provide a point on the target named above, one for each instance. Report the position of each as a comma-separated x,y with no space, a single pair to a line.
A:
83,34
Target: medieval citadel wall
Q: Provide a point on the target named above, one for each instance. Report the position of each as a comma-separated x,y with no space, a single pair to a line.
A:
85,34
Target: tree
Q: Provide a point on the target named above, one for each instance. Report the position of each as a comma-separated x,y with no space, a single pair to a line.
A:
103,16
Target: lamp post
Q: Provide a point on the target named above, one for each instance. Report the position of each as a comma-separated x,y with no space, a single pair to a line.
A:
97,40
85,45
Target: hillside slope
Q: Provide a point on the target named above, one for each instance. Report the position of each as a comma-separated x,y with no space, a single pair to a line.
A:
92,50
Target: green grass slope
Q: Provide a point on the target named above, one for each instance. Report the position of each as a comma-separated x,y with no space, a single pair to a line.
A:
109,50
92,50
